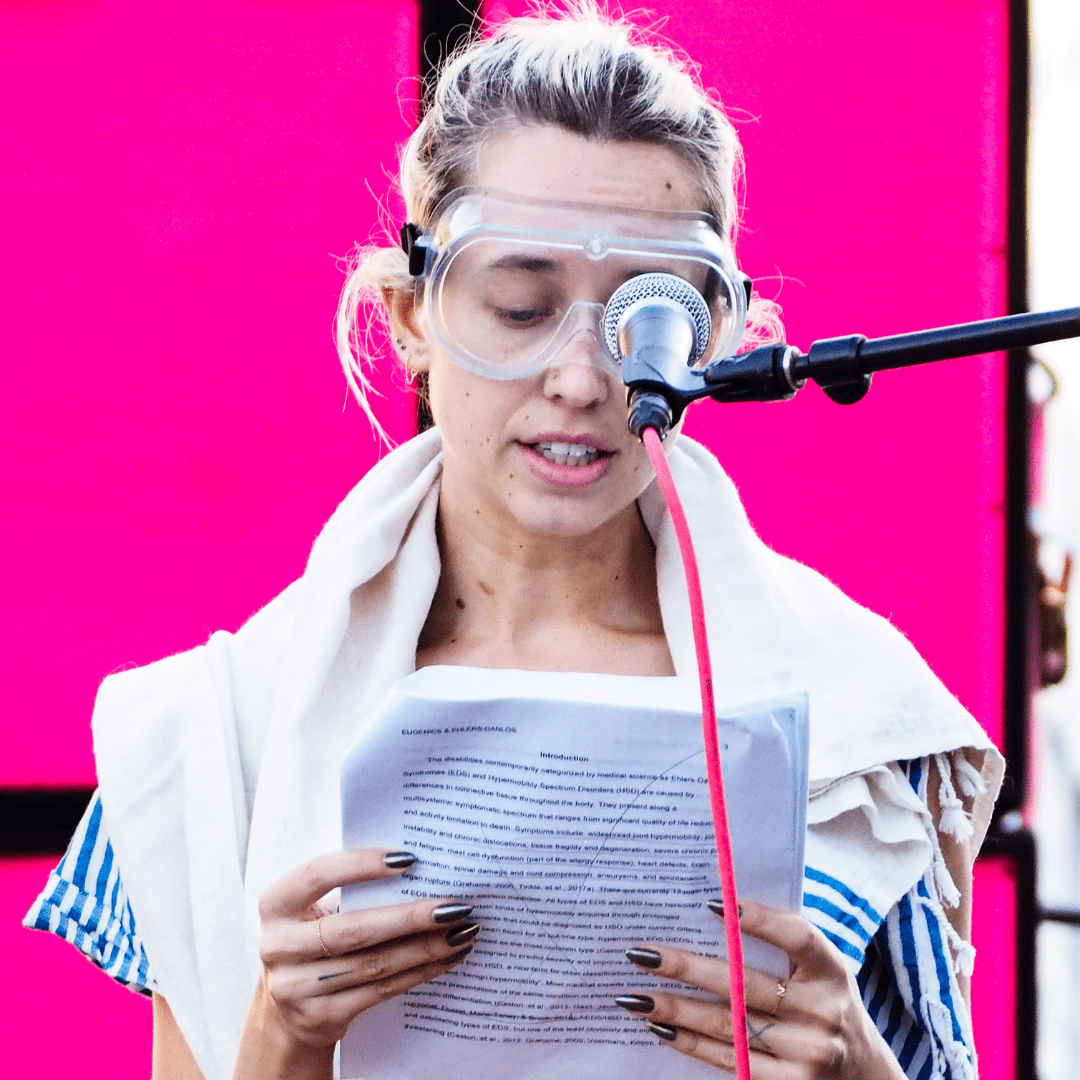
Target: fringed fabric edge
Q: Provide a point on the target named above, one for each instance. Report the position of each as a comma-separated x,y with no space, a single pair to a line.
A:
924,951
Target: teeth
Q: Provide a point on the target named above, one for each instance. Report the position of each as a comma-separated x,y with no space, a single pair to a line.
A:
562,453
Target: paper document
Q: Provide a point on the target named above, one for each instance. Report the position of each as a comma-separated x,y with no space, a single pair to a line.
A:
573,812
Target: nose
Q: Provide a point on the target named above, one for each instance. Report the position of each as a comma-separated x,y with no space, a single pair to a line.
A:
582,374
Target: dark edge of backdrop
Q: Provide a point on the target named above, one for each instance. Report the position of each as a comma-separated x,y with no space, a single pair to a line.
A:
41,820
444,26
1008,836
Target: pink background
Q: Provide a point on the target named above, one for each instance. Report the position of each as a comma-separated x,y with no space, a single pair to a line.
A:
177,182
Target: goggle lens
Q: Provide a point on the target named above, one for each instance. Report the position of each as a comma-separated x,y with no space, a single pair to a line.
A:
504,299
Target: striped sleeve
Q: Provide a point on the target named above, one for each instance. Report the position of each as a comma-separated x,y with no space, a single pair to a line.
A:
85,904
905,1036
905,968
859,931
843,916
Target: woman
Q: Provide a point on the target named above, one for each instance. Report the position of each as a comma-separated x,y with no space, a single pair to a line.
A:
524,532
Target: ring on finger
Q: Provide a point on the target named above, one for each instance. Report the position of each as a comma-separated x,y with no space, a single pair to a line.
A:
781,991
318,928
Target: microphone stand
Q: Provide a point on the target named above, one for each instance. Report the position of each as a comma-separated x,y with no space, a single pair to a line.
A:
658,393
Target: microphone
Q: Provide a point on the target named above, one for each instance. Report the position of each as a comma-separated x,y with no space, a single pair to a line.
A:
659,325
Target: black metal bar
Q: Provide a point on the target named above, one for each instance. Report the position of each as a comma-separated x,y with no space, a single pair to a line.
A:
40,821
1020,613
970,339
1019,585
843,366
1059,915
1019,847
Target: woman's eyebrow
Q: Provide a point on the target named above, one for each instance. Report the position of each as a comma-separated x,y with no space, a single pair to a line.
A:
519,261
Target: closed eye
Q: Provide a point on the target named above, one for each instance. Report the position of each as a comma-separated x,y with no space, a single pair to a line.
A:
523,317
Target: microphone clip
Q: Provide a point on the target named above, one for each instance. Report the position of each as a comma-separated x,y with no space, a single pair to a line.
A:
658,391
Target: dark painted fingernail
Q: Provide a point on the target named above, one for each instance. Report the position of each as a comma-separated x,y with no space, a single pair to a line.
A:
646,958
639,1003
465,933
445,913
398,860
717,907
458,956
668,1034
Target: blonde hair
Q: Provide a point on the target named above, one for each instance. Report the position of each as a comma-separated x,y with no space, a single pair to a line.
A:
580,70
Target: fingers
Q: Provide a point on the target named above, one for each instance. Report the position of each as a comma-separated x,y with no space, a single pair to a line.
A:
294,893
321,968
333,975
798,1022
709,973
349,931
709,1022
323,1018
704,1017
763,1066
294,939
811,952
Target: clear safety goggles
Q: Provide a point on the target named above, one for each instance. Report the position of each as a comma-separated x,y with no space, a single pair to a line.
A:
506,284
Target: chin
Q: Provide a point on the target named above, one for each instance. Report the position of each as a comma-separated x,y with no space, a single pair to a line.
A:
563,521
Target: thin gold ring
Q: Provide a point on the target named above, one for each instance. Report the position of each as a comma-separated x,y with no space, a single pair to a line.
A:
781,990
318,927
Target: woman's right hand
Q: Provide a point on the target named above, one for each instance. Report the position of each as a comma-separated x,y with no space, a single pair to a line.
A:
323,968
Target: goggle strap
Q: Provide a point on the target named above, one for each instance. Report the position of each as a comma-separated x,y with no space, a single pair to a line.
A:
416,245
748,286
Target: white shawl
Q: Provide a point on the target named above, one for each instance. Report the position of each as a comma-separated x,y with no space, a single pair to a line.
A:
218,768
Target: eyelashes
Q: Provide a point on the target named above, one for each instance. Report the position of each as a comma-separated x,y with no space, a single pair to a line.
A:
523,318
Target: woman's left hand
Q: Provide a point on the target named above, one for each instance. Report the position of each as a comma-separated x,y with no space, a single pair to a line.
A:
813,1025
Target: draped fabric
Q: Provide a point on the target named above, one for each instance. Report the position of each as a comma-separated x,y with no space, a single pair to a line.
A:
218,767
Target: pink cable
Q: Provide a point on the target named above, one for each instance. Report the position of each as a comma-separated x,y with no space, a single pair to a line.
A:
712,753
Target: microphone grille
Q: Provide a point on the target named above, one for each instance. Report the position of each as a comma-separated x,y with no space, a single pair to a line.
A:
670,287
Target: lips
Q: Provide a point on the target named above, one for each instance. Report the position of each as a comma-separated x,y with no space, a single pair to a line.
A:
570,461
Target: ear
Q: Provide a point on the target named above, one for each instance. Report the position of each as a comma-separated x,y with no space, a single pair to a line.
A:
409,334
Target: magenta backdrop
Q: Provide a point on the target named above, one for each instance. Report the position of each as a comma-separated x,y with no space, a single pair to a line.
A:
177,180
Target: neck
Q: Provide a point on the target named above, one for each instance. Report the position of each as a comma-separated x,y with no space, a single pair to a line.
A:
514,599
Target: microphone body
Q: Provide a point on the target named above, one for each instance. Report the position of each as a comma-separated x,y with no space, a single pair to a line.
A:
659,325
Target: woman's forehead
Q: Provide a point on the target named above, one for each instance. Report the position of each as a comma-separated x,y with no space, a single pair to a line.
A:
546,162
